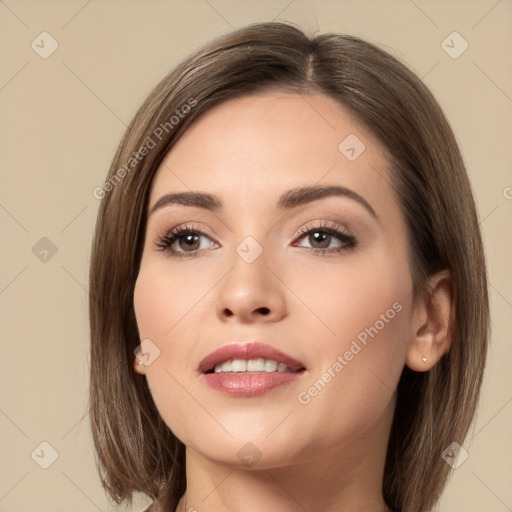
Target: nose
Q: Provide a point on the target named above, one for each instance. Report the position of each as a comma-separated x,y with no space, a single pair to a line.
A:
251,292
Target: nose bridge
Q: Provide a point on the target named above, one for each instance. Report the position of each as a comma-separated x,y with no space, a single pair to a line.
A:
250,291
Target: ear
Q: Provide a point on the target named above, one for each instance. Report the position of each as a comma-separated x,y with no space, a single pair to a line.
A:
138,366
433,317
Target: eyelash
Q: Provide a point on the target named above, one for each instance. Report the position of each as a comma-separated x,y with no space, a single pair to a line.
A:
349,242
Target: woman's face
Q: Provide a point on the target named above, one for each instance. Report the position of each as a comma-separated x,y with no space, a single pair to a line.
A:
271,272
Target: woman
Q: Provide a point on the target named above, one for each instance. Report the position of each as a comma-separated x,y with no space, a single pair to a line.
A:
289,304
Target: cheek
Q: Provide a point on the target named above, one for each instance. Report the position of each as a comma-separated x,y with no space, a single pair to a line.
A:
361,355
165,306
354,296
163,298
149,303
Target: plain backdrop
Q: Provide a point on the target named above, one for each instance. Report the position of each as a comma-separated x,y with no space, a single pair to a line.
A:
63,115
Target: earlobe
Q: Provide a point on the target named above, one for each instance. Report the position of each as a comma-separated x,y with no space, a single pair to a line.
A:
139,367
431,335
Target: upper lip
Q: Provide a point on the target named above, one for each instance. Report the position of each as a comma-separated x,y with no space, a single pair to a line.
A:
249,350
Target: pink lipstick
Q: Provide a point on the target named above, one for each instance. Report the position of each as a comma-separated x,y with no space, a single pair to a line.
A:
249,369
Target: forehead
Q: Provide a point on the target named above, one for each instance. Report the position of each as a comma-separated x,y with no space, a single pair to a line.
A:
257,146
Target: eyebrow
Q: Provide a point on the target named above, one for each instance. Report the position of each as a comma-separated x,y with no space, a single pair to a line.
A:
289,200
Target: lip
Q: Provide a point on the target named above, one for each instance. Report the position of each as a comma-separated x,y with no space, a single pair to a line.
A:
248,383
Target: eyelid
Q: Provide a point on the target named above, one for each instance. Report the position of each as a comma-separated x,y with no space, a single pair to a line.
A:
321,225
186,226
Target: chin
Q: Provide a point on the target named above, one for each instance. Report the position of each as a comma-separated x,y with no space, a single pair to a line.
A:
245,453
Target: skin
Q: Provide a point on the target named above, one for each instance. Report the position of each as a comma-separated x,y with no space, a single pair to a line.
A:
328,454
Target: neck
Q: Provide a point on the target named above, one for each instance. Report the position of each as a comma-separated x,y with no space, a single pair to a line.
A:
348,479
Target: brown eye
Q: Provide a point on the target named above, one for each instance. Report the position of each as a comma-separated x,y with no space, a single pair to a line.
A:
326,239
184,242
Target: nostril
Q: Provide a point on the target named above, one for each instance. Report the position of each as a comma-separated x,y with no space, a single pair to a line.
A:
263,310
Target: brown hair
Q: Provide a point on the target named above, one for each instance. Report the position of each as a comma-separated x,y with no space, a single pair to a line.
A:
136,450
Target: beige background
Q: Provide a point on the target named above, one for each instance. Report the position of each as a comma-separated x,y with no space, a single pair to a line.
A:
62,118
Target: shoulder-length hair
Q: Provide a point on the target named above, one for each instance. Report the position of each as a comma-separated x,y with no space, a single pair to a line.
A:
136,450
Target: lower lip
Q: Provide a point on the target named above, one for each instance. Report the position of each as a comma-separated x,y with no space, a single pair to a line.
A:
249,384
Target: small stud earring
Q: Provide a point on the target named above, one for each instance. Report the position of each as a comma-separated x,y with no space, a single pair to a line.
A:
424,359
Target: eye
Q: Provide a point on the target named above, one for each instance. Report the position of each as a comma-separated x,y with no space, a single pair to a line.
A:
184,241
323,239
326,238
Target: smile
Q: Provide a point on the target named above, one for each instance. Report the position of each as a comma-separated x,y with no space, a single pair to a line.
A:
249,369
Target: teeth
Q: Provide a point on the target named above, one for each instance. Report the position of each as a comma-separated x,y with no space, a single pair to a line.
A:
252,365
270,366
256,365
238,365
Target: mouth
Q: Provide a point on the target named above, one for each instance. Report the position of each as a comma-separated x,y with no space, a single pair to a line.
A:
249,369
252,365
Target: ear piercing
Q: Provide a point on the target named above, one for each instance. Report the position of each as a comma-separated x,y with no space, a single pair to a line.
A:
424,359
